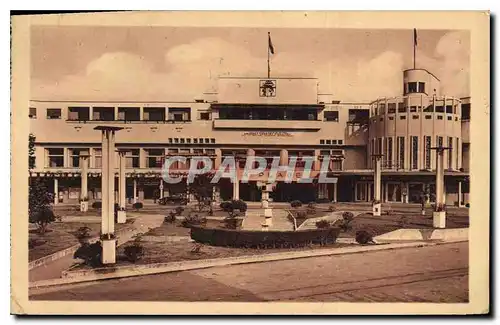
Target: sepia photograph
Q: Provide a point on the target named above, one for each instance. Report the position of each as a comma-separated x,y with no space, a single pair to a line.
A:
336,160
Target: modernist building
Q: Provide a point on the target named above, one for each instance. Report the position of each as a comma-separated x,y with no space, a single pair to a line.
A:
285,117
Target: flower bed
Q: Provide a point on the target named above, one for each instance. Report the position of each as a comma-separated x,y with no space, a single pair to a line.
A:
263,239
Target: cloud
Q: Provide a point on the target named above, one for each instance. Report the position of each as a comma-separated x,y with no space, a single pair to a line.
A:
193,68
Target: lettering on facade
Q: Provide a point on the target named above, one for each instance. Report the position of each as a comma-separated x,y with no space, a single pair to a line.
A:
267,134
267,88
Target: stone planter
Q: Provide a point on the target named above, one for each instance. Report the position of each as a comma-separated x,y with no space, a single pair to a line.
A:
108,251
439,219
84,206
377,209
122,216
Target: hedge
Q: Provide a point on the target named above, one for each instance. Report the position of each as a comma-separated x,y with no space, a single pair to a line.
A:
263,239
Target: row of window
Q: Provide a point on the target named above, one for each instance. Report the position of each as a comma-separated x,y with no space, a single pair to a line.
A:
416,117
191,140
123,114
331,141
401,108
385,146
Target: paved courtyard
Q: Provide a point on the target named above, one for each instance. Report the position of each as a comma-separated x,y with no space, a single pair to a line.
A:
426,274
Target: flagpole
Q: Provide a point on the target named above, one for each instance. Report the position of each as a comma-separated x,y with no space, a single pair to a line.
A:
414,47
268,66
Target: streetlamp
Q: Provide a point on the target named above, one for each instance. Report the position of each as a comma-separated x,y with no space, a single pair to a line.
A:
377,184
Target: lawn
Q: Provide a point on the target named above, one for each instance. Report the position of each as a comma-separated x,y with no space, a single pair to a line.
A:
61,235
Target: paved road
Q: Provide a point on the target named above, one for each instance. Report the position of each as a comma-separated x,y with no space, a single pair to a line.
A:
426,274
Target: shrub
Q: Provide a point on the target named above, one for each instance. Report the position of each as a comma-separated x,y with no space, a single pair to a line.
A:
42,218
233,207
467,205
332,208
348,216
90,253
179,210
323,224
295,204
311,205
170,218
138,205
134,252
363,237
83,232
301,215
193,220
97,205
323,200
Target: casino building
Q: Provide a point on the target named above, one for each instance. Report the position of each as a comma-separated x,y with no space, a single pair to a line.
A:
285,117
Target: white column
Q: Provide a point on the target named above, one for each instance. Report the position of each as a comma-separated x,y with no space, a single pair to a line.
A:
284,157
105,183
84,161
460,194
56,191
236,189
335,192
135,190
161,188
111,164
377,178
439,216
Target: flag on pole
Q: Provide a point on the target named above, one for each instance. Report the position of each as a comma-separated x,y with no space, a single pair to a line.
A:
415,37
271,47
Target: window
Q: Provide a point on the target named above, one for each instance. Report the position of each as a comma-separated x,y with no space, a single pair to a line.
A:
379,146
188,140
207,140
401,152
415,117
421,87
449,109
413,109
129,114
391,118
321,141
78,113
205,116
389,152
382,108
381,119
154,158
170,140
154,114
428,117
401,108
176,140
179,114
439,141
440,117
55,157
32,112
212,140
334,141
198,151
391,108
439,109
449,118
75,157
182,140
465,112
328,141
195,140
450,152
332,116
340,141
132,159
402,117
53,113
412,87
97,158
210,152
429,109
104,114
414,152
427,140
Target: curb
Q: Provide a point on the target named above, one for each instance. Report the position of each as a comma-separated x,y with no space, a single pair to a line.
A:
62,253
455,234
139,270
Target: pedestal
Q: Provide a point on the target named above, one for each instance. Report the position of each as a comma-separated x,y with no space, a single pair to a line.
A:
377,209
122,216
108,251
84,206
439,219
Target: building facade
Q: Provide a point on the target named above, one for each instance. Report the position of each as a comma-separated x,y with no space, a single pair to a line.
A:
285,117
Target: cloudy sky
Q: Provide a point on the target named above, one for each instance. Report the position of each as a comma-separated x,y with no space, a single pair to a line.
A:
165,63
